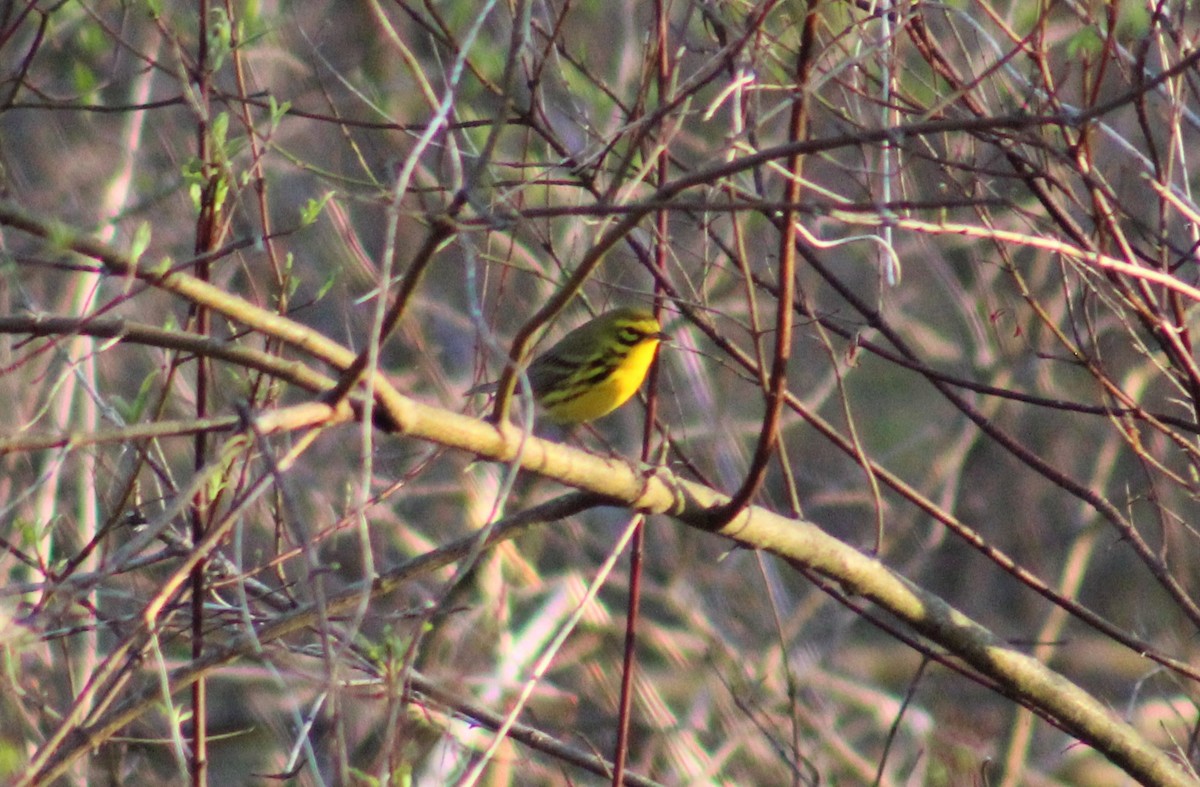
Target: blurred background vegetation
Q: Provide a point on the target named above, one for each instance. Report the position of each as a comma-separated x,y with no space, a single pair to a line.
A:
995,288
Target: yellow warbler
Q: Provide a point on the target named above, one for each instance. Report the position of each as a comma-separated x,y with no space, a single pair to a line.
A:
595,368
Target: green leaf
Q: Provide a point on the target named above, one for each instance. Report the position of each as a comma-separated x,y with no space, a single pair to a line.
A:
312,209
277,110
220,39
1087,42
327,284
293,283
132,411
222,192
141,242
1133,22
163,267
219,131
193,175
83,78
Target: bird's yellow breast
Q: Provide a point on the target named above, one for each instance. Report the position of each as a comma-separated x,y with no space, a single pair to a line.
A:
610,393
